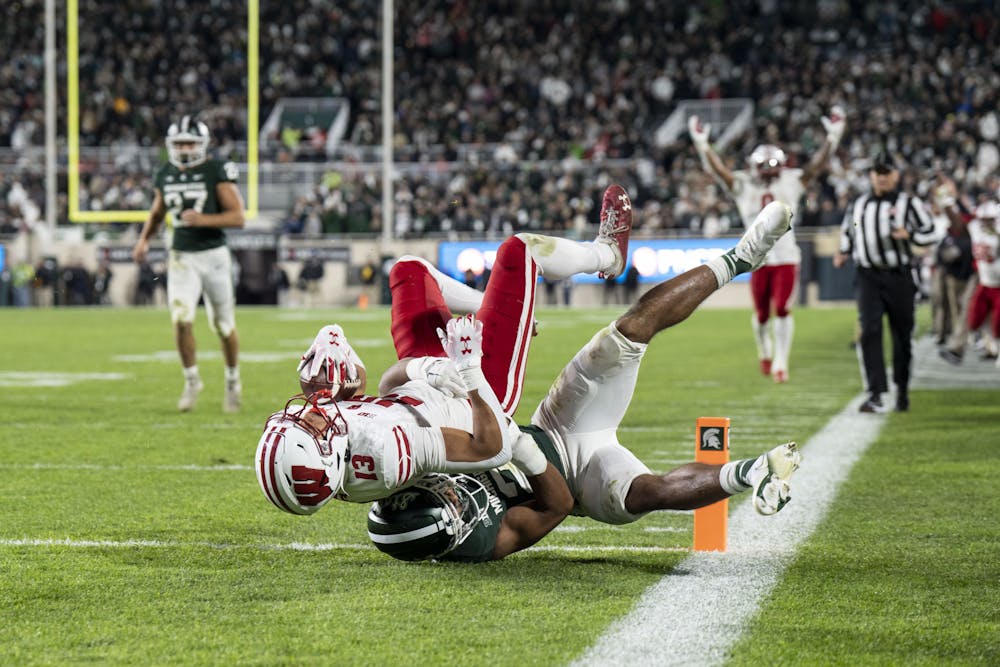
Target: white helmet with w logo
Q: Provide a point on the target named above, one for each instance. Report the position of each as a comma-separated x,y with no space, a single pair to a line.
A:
302,456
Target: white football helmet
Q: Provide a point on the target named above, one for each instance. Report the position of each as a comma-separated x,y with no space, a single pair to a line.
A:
299,465
988,212
187,131
766,161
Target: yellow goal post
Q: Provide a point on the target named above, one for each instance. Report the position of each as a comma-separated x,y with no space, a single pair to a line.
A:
73,120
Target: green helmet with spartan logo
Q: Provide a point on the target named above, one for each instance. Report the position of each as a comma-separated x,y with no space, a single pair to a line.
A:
429,519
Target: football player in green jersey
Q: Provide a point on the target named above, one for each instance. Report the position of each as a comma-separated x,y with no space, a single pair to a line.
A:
202,198
571,457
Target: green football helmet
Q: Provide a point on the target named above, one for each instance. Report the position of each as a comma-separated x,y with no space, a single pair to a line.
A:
429,519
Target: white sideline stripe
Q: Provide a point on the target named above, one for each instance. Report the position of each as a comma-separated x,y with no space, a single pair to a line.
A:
294,546
91,466
695,614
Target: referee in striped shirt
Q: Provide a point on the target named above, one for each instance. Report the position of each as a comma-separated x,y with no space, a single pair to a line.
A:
877,233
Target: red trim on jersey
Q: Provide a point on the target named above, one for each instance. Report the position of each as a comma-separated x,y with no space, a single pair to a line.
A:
405,457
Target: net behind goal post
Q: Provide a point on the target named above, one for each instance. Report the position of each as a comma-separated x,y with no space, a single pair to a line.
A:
728,117
248,177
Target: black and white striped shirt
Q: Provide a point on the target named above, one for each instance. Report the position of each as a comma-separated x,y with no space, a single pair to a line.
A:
868,222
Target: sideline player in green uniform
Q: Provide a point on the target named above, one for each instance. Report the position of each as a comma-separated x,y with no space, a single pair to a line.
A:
202,198
570,457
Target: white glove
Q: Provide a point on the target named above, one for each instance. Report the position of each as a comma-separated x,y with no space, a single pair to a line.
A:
330,362
834,125
438,372
699,133
463,343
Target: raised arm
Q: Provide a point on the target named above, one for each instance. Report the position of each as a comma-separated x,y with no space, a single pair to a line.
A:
489,444
710,160
835,124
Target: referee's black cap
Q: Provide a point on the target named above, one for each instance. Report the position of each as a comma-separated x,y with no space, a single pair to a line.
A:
883,162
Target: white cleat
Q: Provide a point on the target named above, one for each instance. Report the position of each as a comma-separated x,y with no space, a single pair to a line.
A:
189,396
232,399
771,491
774,220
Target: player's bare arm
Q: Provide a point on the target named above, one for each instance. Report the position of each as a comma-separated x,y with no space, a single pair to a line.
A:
710,160
486,439
231,203
523,525
835,126
157,213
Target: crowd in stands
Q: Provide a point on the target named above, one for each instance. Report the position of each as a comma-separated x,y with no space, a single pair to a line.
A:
565,95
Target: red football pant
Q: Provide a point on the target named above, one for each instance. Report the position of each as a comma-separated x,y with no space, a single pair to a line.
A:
773,285
984,300
507,314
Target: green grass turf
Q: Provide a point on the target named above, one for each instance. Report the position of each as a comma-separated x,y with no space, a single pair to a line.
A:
206,583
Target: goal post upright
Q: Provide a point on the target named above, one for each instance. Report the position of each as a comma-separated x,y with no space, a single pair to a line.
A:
73,121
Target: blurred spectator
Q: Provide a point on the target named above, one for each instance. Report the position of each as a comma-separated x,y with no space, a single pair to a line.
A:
102,283
21,277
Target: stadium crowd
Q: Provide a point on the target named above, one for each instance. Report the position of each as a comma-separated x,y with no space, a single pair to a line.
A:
559,100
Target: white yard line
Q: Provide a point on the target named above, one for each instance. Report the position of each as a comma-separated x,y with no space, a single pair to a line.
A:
696,613
293,546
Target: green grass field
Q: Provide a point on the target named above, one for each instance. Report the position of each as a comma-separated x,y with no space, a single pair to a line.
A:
133,534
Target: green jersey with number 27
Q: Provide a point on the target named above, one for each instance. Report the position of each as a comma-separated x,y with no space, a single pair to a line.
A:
194,188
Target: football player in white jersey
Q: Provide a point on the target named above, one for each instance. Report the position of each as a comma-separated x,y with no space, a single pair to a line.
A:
363,448
767,179
984,231
570,455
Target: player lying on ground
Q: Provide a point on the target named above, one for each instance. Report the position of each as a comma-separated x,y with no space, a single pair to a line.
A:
362,448
570,458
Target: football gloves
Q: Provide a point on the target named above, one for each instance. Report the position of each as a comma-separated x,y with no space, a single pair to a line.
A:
834,124
439,372
330,360
463,343
699,133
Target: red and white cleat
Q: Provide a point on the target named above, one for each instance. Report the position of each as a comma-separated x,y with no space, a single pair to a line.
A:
616,226
780,376
765,366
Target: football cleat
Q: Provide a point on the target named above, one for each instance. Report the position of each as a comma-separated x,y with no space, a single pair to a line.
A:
780,376
774,220
872,405
765,366
190,395
950,356
616,226
770,492
232,398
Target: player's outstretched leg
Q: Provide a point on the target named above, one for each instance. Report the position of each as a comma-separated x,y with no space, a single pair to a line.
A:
695,485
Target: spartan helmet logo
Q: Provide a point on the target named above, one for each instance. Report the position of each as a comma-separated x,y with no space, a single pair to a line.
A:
711,438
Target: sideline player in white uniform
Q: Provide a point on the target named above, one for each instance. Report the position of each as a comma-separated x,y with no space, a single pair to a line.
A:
984,231
571,453
203,200
773,286
363,448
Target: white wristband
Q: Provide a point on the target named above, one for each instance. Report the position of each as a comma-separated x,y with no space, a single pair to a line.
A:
528,457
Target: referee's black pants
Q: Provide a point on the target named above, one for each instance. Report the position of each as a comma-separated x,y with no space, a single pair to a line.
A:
889,292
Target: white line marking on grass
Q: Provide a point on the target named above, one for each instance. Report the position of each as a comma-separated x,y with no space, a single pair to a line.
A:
696,613
94,466
294,546
45,379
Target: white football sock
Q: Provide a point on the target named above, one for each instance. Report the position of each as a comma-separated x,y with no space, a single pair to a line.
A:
191,374
459,297
232,374
560,258
734,477
762,336
784,327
